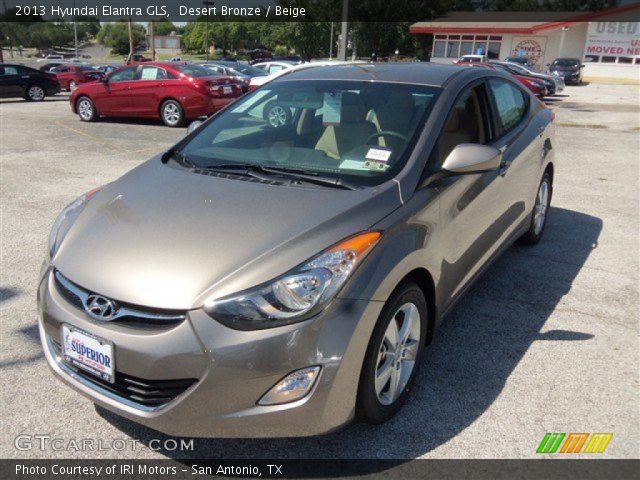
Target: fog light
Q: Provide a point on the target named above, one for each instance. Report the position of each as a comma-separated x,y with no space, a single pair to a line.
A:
292,387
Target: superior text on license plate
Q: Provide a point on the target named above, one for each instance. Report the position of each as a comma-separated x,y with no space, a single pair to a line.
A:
88,352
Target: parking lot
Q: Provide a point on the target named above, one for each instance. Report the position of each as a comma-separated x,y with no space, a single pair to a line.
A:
547,340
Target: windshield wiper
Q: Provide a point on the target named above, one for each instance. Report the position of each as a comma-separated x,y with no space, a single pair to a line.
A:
179,156
293,173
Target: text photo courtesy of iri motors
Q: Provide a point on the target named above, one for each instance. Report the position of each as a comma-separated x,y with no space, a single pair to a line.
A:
319,239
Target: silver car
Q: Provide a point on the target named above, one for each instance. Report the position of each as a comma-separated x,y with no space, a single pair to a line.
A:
282,269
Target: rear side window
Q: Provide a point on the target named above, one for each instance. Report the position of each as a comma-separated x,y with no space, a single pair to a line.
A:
510,103
153,73
10,70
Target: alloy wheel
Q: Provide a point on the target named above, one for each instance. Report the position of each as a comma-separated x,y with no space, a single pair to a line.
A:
85,109
36,93
540,208
397,354
171,113
277,116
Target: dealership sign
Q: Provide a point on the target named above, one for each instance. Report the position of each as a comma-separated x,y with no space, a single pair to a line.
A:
615,39
530,47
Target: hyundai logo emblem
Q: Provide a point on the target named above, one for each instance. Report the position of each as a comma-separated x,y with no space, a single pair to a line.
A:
100,307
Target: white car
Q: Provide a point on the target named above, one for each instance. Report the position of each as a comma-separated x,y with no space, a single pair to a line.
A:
471,59
273,67
49,58
256,82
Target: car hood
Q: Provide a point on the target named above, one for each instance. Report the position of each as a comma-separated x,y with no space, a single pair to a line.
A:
164,237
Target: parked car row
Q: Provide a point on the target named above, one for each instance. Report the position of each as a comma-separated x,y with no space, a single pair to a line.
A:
560,72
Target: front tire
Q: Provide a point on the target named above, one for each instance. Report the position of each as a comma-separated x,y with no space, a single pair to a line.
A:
35,93
393,356
540,211
172,114
86,109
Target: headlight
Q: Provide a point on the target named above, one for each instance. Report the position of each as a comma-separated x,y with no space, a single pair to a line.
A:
297,295
66,218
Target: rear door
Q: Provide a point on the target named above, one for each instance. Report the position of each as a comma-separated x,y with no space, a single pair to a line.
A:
519,135
146,90
64,74
11,83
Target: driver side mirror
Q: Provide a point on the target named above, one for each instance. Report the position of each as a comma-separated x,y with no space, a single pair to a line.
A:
104,78
194,126
467,158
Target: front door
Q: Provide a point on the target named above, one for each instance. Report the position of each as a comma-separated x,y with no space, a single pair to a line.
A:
474,213
116,98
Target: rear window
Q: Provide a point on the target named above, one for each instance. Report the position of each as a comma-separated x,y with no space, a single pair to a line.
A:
194,70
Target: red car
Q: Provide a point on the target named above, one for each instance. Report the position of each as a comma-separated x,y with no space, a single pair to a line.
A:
536,86
70,76
174,92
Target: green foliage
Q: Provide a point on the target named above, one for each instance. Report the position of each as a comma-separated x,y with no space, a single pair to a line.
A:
163,26
116,36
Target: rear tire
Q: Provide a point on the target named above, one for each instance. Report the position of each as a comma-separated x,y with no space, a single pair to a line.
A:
172,114
86,109
389,369
35,93
540,212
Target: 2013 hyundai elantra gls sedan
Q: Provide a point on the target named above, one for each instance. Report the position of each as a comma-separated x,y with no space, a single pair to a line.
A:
281,270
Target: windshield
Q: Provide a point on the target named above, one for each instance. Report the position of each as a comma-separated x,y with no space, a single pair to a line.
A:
565,63
194,70
361,132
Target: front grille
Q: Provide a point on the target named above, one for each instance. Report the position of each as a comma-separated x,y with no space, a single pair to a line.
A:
134,315
149,393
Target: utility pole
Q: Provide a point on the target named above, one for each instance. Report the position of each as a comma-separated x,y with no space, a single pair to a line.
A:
344,41
331,43
130,41
75,31
207,4
153,41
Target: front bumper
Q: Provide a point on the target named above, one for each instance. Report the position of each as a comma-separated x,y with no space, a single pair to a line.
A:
233,369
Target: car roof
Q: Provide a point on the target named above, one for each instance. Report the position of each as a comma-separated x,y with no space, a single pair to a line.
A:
421,73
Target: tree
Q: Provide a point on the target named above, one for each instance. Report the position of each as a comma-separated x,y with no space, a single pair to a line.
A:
116,36
163,26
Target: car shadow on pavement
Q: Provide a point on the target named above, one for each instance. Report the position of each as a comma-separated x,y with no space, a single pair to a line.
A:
22,100
473,354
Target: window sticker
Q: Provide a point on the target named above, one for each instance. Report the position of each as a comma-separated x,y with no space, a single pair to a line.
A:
331,109
149,73
376,159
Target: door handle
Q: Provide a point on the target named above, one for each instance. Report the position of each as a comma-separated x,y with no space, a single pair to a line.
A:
25,76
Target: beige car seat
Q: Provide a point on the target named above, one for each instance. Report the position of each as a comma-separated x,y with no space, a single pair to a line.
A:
397,115
353,131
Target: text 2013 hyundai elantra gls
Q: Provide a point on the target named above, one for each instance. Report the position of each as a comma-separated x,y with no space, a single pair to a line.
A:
282,269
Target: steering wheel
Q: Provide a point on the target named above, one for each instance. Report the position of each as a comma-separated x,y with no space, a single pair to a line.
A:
388,133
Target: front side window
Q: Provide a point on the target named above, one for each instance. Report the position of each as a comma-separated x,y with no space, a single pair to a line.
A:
361,132
125,75
510,103
466,123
